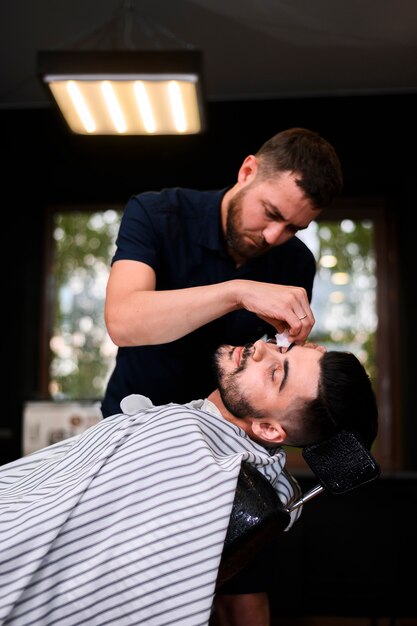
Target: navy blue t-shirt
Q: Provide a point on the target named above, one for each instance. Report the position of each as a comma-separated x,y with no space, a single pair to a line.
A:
178,233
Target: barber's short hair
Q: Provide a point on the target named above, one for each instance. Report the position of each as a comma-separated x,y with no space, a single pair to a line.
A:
311,157
346,401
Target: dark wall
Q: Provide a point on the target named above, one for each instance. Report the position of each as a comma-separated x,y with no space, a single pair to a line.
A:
374,136
355,550
351,555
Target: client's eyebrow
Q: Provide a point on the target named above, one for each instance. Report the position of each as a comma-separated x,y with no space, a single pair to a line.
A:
286,369
285,377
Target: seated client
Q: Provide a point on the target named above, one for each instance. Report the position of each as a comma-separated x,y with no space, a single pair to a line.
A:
125,523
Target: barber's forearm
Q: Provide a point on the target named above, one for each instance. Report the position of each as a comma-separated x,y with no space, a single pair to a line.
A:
154,317
148,317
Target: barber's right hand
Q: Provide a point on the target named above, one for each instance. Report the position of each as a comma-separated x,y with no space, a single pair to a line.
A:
281,306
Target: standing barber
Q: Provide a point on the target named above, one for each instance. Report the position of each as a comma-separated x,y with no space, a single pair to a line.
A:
196,269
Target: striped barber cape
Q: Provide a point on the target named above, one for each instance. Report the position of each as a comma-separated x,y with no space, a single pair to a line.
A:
125,523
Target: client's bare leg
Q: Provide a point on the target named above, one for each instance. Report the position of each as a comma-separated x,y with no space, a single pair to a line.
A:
248,609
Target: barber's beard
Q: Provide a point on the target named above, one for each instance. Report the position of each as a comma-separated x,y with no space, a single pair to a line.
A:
231,392
235,235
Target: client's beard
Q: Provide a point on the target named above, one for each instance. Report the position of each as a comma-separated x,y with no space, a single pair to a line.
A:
230,391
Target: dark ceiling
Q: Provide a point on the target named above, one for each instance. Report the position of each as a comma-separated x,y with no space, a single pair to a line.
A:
253,49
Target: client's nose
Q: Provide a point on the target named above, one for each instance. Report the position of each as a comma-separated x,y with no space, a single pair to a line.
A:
259,349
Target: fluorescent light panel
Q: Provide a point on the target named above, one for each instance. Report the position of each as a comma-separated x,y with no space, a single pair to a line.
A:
127,103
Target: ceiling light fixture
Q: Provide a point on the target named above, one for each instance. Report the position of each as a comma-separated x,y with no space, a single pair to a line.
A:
126,92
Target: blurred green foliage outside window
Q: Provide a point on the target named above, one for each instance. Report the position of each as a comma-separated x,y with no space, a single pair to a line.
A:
81,352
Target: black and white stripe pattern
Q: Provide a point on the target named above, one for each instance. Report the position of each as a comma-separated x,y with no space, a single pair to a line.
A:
125,523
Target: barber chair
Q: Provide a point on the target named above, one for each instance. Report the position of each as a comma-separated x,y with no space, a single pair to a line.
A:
341,463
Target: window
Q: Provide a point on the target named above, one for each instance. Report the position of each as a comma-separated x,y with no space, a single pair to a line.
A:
81,354
356,272
344,293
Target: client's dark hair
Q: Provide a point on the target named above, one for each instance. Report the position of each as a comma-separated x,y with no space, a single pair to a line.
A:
346,401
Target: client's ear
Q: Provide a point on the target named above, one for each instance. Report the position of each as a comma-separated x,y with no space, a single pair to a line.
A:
272,432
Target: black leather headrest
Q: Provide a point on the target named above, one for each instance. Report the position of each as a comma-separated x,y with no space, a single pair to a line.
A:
341,463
